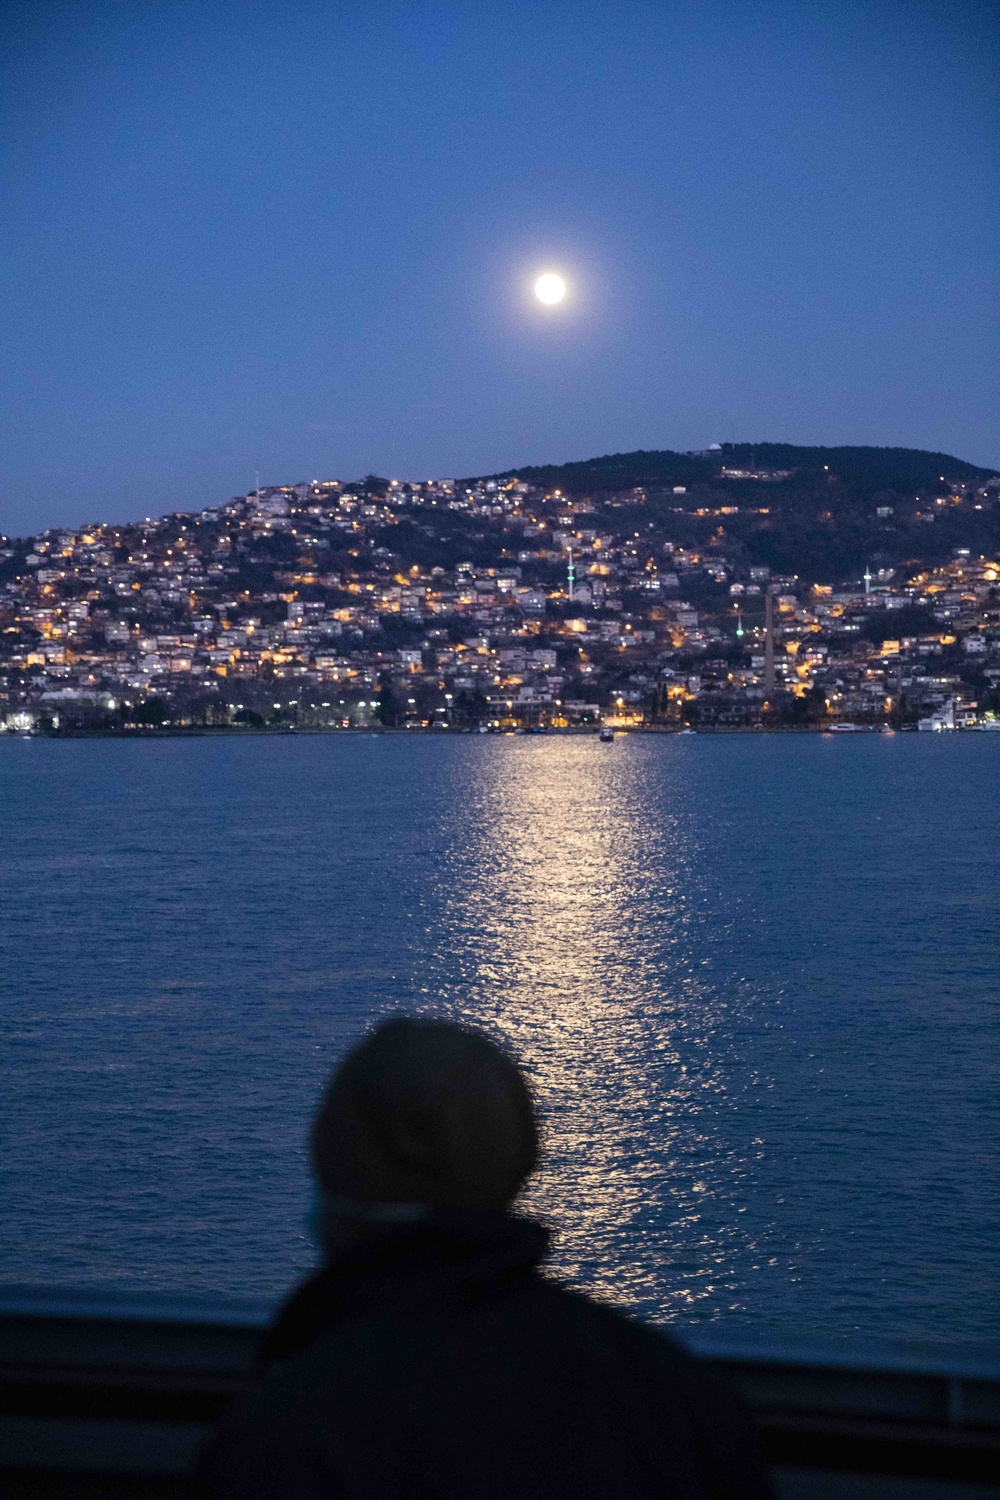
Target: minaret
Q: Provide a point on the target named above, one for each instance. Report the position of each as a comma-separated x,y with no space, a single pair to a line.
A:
769,642
739,624
570,576
868,579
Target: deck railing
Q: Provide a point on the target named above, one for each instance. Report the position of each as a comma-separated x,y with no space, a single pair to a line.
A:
110,1398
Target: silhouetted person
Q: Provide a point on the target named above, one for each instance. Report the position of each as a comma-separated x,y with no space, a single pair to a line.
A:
429,1358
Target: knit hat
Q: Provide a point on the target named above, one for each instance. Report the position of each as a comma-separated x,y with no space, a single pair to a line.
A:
425,1112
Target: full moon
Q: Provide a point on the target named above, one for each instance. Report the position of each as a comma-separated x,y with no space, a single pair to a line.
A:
550,288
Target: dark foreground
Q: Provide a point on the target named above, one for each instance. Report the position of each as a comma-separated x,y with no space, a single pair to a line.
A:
111,1399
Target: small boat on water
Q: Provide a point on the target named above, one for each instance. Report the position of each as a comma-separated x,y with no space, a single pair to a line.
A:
606,735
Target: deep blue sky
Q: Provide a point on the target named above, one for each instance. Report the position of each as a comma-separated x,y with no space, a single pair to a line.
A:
298,237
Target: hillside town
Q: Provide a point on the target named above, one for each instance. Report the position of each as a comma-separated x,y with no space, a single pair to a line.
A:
497,604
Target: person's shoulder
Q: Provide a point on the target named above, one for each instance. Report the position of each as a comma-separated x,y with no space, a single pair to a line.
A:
670,1382
615,1335
264,1444
608,1322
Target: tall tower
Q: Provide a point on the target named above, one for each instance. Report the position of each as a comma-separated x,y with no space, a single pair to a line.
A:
570,576
868,579
769,642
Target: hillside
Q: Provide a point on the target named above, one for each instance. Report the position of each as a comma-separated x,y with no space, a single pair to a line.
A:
861,470
821,513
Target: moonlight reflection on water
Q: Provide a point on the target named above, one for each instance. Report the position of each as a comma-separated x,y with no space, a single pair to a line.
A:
580,929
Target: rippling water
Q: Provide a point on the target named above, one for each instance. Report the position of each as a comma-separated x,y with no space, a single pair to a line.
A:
753,978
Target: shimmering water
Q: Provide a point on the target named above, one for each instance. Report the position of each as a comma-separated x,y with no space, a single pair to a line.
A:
754,980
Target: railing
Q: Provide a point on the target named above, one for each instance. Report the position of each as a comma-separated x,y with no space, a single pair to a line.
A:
111,1397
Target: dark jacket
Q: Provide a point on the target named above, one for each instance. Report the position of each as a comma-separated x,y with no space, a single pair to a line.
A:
435,1363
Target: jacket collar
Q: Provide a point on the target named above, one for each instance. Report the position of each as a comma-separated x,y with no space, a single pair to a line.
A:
458,1249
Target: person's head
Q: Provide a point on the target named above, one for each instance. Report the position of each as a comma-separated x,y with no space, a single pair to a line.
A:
425,1112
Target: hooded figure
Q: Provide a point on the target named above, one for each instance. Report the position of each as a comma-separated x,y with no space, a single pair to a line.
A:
429,1358
425,1112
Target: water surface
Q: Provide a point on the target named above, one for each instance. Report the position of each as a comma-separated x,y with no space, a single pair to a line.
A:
753,979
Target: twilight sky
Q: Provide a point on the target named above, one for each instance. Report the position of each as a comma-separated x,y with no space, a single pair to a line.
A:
300,237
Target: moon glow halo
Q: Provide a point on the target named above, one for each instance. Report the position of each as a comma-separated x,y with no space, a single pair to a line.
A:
550,289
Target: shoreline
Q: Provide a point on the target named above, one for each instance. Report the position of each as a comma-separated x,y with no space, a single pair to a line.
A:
246,732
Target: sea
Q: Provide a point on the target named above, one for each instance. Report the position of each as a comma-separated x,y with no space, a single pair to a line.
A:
754,981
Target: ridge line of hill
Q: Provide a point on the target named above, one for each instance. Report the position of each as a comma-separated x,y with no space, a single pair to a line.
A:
860,467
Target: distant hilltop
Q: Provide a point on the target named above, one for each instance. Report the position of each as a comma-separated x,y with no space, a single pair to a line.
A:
740,587
862,471
821,514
